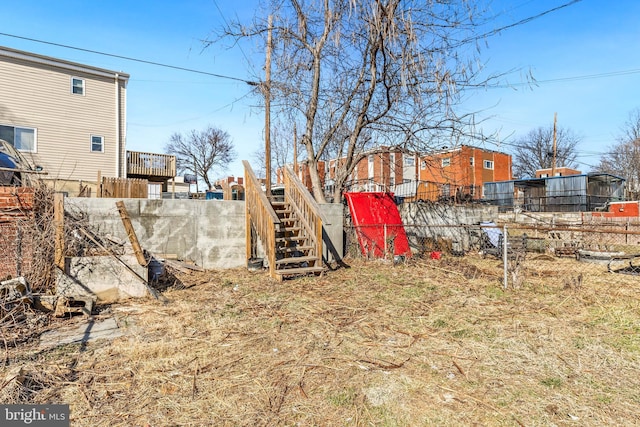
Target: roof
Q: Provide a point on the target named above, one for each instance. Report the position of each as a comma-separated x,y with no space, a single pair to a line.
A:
539,182
60,63
446,149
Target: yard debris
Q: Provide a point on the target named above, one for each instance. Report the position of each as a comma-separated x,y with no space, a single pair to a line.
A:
13,380
74,305
182,267
18,320
15,290
46,303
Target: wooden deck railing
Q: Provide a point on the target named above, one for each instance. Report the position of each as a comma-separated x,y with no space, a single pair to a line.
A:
151,164
306,208
258,211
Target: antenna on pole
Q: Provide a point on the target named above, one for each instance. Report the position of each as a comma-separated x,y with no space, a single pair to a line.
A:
555,146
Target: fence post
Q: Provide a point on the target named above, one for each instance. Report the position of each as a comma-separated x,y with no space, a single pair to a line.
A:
505,241
384,252
58,221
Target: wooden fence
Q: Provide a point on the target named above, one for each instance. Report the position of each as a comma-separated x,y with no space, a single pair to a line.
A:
126,188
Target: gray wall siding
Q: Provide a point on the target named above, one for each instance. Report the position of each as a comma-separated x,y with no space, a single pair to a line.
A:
39,96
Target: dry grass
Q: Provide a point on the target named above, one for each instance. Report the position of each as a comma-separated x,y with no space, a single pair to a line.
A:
428,343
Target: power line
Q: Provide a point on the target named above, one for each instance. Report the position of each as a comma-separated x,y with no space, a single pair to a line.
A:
232,103
520,22
127,58
535,82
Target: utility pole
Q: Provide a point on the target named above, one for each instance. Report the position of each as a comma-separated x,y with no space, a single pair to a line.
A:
555,146
267,112
295,149
195,172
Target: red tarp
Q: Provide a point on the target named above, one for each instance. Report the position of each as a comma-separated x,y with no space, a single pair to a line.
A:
376,218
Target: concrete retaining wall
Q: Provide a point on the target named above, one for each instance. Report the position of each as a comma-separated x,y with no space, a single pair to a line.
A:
430,225
209,233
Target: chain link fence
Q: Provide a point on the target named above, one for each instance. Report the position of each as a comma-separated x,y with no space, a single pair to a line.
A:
516,254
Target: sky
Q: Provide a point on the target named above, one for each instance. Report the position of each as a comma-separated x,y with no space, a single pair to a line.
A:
585,59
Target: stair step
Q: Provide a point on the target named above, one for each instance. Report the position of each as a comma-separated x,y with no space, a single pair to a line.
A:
289,230
288,249
296,260
299,271
289,219
290,239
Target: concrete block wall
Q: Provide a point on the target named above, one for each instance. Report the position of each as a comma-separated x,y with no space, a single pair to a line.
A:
333,231
211,233
102,277
16,248
427,222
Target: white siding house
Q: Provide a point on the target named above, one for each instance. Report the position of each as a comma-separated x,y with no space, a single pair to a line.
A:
68,118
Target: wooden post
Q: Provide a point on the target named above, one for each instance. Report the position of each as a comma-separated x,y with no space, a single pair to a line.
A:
58,220
126,220
99,184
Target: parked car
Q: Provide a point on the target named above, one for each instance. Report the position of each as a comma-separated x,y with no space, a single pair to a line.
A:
12,165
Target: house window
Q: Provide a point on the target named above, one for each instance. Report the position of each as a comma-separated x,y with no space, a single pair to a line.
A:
97,144
409,161
488,164
77,86
471,161
446,162
23,139
423,164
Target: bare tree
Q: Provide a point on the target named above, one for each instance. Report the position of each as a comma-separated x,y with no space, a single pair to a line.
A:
281,149
623,158
199,152
535,151
370,72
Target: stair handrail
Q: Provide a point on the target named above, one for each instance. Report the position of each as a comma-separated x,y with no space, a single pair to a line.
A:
258,210
307,208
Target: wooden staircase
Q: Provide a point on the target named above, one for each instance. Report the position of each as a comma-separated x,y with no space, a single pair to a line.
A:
295,252
290,230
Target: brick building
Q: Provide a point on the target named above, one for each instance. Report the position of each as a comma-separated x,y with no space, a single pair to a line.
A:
462,171
232,187
560,171
442,174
